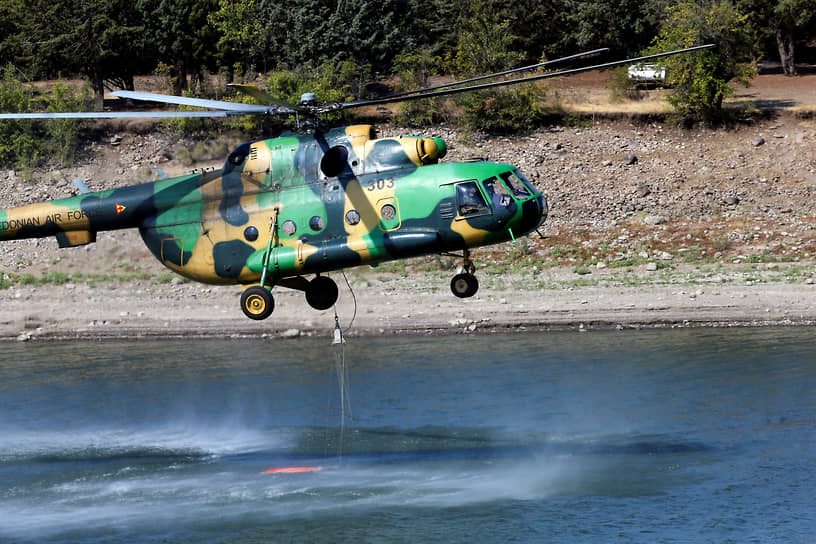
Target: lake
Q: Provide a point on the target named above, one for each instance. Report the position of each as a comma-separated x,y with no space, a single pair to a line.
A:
703,435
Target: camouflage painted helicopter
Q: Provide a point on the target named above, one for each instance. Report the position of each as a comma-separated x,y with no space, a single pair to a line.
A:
304,203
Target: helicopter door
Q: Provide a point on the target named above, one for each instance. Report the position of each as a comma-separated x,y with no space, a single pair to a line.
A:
172,251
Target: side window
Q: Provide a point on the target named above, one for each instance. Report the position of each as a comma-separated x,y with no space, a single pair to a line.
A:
469,200
515,185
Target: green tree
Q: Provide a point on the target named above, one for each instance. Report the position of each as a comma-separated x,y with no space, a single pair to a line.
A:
554,29
12,16
182,36
273,34
624,26
485,43
329,82
18,138
414,70
438,23
701,81
26,143
99,39
485,46
242,34
370,32
780,26
790,18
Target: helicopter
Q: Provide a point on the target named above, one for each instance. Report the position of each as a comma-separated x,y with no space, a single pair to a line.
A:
308,202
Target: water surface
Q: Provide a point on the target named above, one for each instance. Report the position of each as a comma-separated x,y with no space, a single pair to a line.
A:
659,436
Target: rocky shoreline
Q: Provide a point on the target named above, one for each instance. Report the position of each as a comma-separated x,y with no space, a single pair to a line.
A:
36,316
650,225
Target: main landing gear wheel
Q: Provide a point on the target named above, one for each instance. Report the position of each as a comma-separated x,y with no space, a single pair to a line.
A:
257,302
464,285
321,294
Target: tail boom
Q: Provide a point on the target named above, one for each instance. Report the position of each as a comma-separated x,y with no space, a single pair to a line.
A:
76,220
61,218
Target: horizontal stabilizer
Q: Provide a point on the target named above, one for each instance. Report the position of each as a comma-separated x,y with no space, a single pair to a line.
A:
81,186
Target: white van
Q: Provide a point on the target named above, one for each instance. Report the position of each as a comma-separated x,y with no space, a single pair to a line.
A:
647,73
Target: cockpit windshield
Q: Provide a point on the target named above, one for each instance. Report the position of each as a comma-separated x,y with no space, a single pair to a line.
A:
502,192
515,182
497,193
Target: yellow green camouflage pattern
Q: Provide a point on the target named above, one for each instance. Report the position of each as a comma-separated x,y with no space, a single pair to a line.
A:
304,204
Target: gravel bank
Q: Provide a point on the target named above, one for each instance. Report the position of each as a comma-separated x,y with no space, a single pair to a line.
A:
651,225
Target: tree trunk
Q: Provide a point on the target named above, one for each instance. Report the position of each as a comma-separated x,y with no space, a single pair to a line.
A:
98,84
784,42
178,78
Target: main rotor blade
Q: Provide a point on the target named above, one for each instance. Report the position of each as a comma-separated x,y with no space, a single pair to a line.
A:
122,114
506,72
196,102
261,96
432,94
226,109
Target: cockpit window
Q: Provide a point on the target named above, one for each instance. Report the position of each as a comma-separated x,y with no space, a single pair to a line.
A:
515,184
469,200
497,193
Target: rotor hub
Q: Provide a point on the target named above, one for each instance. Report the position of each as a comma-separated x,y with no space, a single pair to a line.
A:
308,99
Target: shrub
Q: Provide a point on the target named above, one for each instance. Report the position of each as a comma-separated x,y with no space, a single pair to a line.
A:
413,70
29,143
504,111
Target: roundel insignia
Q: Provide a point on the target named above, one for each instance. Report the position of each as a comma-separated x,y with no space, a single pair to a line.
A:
120,208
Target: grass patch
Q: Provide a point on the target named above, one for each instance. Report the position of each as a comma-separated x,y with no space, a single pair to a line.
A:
92,279
166,278
626,262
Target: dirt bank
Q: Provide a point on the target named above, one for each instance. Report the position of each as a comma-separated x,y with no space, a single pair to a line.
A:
650,225
420,303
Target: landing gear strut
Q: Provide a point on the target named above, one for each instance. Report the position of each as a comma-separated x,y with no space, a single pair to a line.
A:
465,284
256,301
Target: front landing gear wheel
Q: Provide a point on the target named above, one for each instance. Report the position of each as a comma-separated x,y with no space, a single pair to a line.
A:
257,302
464,285
321,294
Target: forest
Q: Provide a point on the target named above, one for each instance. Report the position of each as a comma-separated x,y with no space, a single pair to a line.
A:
340,49
110,41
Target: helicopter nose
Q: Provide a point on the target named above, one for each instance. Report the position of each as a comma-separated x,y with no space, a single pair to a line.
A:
545,210
534,213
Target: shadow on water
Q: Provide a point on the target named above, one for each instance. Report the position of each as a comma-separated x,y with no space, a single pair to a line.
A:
350,446
388,446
